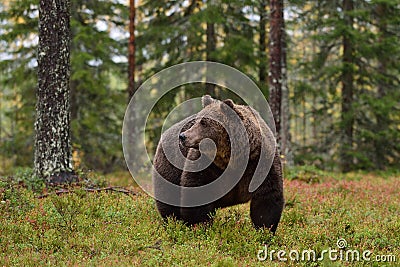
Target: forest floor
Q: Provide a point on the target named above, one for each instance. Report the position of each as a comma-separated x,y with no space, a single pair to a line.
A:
339,217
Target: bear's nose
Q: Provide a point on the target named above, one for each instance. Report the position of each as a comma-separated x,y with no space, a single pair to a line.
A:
182,137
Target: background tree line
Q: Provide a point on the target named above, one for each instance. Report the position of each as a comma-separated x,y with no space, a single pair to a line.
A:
343,64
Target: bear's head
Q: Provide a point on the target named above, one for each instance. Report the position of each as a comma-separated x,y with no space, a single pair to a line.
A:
211,123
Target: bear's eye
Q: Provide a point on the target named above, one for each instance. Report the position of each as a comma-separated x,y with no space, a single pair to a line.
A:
203,122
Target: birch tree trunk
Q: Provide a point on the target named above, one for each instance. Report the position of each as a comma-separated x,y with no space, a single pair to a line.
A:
53,160
286,148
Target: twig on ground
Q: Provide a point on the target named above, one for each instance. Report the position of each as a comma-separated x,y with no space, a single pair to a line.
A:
108,188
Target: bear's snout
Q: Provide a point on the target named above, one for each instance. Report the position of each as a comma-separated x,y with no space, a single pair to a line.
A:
188,139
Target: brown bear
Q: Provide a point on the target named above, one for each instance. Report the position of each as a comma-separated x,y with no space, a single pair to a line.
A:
219,121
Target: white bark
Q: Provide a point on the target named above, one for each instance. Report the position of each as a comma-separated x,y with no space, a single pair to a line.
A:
53,145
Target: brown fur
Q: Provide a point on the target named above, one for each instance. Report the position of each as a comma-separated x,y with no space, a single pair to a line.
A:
266,202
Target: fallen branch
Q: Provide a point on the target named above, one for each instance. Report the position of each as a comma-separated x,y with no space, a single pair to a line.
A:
109,188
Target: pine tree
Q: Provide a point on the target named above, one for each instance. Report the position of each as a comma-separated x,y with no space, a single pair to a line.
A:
384,101
275,68
211,45
346,85
347,81
98,65
173,32
131,50
262,47
18,78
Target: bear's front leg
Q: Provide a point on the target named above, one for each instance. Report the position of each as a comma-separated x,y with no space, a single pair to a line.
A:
267,201
197,214
163,169
266,211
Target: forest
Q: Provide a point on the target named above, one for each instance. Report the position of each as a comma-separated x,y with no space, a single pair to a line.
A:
330,71
342,74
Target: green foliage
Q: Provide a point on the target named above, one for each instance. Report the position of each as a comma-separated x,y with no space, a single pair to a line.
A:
97,61
25,177
319,124
171,32
175,32
18,38
109,229
97,105
307,173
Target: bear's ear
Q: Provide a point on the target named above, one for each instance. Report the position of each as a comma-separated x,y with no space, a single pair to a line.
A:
227,105
229,102
207,100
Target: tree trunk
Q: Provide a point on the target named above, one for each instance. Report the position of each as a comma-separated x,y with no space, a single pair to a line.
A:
286,147
275,69
53,145
304,122
1,134
131,49
211,44
347,116
210,49
262,71
382,120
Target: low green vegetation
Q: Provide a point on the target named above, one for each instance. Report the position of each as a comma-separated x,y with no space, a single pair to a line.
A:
108,228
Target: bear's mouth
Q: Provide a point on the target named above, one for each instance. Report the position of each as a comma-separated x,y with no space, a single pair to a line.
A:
185,144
